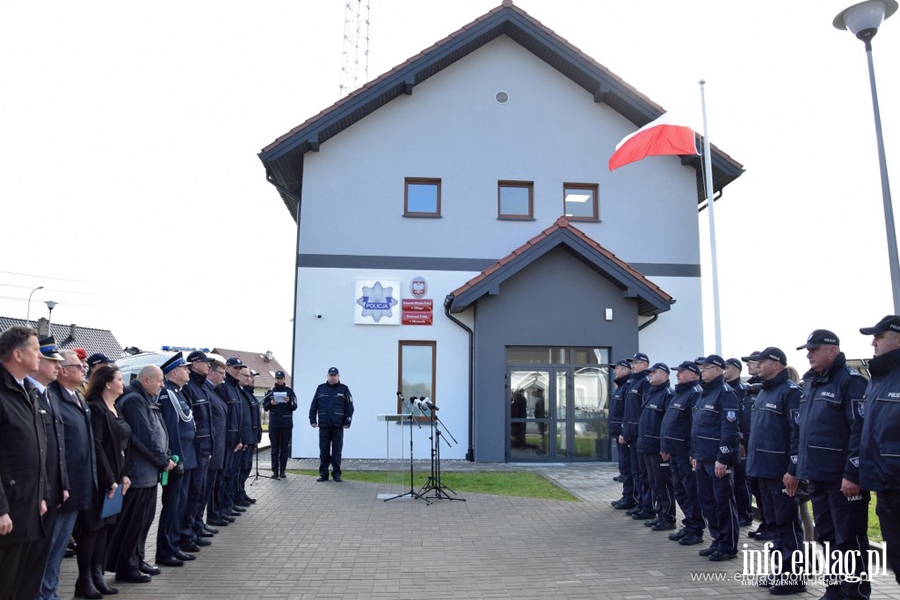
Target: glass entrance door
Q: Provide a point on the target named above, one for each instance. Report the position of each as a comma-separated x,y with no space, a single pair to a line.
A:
557,412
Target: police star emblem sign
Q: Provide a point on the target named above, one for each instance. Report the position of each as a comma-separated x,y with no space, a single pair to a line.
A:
376,302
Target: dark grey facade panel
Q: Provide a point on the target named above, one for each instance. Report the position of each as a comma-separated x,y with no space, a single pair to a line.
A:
557,300
426,263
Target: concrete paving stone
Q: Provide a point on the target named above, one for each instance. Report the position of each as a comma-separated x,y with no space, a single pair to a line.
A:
305,539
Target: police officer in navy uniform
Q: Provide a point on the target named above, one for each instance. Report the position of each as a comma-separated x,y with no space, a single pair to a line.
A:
214,483
280,402
766,530
634,402
733,368
714,449
658,479
622,376
201,409
830,427
251,434
171,549
772,457
675,447
879,446
331,411
230,391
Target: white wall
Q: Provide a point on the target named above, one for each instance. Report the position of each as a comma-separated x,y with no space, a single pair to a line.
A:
678,333
367,356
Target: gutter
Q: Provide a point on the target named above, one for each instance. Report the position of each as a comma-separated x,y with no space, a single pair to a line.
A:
470,452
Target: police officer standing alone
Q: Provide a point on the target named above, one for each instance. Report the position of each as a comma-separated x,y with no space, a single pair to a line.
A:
280,402
829,437
879,446
331,411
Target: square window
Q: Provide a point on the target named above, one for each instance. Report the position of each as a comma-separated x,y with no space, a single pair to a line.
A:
422,198
515,200
580,201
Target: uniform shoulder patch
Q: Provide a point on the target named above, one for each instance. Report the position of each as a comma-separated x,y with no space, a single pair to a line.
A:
861,408
731,415
724,449
795,414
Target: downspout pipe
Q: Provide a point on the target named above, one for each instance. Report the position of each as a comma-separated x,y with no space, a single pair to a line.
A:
470,451
649,322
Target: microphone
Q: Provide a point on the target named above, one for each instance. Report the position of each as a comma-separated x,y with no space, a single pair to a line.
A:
427,401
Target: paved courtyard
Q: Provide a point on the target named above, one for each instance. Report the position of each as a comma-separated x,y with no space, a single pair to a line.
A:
305,539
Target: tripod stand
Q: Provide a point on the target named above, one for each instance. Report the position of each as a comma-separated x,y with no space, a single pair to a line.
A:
434,481
412,490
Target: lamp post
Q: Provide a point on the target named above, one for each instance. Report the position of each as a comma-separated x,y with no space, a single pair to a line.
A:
28,310
50,305
863,20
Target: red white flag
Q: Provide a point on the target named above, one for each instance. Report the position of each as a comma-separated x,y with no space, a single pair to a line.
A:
666,135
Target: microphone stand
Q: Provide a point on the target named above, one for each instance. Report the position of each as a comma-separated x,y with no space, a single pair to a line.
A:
434,482
412,490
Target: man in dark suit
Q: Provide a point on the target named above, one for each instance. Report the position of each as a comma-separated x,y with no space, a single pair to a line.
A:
23,480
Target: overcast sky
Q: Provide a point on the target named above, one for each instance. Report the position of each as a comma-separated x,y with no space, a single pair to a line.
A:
132,192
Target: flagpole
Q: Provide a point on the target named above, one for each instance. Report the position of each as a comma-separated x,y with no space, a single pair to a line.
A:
707,163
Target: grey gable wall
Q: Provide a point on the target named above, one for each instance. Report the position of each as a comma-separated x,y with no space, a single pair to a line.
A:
556,301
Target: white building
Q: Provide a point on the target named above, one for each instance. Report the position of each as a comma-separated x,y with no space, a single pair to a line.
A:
485,191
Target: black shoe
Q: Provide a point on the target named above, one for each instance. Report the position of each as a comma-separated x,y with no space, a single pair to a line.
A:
249,499
718,556
208,529
664,526
99,578
634,509
709,551
745,522
149,569
238,508
283,475
184,557
652,522
337,479
765,536
133,576
678,534
643,515
217,522
242,504
784,590
227,519
274,475
618,478
233,513
169,561
322,479
202,533
71,549
200,541
691,539
189,546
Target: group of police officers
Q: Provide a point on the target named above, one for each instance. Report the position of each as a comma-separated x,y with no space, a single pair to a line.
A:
713,441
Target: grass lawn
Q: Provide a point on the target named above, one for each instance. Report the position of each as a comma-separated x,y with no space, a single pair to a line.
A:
874,525
523,485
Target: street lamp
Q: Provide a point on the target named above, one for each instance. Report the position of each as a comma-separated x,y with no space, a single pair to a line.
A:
863,20
51,305
28,310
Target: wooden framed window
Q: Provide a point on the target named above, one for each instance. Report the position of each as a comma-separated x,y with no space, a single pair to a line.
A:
580,201
422,197
415,372
515,200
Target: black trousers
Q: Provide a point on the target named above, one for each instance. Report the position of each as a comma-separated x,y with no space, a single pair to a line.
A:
125,550
888,510
20,580
784,511
659,481
684,486
280,440
196,498
331,444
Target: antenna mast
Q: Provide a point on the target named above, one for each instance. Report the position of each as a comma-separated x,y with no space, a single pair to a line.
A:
355,61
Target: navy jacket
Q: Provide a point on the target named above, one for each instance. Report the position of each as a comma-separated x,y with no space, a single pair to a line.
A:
81,460
280,413
714,429
331,406
617,408
23,480
829,423
740,388
179,420
251,432
772,450
751,391
655,401
231,393
202,410
634,403
55,459
879,446
219,413
675,432
149,439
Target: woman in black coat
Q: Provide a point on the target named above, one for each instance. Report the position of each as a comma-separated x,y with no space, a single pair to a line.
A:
112,437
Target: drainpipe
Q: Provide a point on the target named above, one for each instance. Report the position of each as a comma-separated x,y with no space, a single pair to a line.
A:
295,196
647,323
470,452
